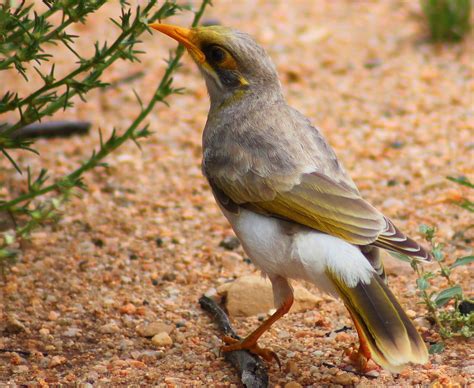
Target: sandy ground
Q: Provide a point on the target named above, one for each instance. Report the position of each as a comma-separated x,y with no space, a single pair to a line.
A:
142,244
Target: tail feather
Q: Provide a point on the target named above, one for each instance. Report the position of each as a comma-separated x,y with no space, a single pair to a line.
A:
394,240
372,254
390,335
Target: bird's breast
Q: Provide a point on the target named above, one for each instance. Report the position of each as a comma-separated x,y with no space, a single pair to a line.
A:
267,242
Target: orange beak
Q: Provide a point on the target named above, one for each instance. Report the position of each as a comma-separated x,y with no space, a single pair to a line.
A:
184,36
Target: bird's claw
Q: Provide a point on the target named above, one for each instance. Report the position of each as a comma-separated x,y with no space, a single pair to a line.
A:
360,360
235,344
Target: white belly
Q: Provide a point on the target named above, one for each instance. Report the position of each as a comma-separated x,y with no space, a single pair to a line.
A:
301,253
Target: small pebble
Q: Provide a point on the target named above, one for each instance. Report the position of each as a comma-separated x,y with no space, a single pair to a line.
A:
22,369
373,373
469,370
292,367
15,359
109,328
397,144
293,384
44,362
53,315
283,334
314,369
14,326
92,377
343,379
343,337
71,332
129,309
422,322
230,260
154,328
126,344
230,243
437,359
56,360
162,339
169,277
211,292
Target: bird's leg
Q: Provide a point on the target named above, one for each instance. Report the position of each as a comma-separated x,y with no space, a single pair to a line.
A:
283,296
360,357
250,342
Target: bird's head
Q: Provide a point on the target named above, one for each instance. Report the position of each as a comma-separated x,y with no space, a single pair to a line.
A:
232,63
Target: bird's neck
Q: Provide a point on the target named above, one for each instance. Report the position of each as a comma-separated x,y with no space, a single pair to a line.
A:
241,100
238,116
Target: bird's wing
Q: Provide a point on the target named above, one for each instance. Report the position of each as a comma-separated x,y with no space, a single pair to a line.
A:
318,202
314,200
286,169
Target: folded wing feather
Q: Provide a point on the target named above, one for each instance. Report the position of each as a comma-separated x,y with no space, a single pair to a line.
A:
318,202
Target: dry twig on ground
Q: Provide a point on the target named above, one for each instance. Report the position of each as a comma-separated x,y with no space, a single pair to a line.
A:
252,371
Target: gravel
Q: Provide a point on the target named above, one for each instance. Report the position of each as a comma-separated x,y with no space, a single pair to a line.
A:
144,243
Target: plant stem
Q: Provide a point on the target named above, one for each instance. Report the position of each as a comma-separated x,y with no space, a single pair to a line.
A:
161,92
426,297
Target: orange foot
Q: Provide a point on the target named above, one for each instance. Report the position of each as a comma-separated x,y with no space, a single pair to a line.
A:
360,359
250,345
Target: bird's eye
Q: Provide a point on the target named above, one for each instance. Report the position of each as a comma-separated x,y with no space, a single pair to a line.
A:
217,54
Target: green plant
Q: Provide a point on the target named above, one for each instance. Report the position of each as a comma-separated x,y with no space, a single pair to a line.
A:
464,203
444,305
448,20
23,35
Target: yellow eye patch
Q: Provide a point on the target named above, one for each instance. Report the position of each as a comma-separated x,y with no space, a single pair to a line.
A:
219,57
228,63
222,65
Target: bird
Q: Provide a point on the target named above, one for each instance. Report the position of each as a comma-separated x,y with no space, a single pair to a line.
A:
291,203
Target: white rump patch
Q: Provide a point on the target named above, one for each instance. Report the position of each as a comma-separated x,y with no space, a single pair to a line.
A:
321,252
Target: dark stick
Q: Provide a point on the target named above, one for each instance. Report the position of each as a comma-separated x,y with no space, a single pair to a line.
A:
342,329
22,352
252,371
52,129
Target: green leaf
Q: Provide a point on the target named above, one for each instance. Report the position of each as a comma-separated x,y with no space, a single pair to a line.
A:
427,231
466,204
446,295
466,332
448,20
436,348
462,181
9,238
422,284
428,275
6,253
466,260
438,254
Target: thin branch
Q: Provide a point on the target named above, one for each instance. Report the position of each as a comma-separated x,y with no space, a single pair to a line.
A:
252,371
52,129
